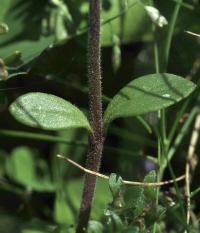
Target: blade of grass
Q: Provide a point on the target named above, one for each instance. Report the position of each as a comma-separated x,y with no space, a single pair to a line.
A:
39,136
182,133
169,36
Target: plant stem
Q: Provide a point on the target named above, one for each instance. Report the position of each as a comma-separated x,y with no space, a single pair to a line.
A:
164,63
168,41
57,139
40,137
195,192
176,122
95,95
182,133
191,163
157,69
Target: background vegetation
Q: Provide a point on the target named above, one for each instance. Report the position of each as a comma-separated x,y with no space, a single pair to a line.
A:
43,48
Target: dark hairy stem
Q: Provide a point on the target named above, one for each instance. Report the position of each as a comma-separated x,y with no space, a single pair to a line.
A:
93,161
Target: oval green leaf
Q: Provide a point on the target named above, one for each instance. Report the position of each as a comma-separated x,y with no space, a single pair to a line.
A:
48,112
147,94
23,165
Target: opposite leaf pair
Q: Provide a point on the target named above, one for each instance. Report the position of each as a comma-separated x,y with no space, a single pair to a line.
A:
143,95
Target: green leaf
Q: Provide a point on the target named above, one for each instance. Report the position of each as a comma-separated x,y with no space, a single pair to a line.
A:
150,191
139,201
95,227
71,198
24,34
3,9
22,27
114,222
147,94
28,49
65,169
48,112
24,167
145,197
115,183
61,213
116,188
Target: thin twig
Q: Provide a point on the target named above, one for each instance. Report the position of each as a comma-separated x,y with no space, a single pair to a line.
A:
135,183
191,164
192,33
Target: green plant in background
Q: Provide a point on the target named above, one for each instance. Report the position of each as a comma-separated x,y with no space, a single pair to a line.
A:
59,28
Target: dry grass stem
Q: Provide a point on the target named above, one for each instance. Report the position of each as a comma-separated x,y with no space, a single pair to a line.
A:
192,33
191,164
127,182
